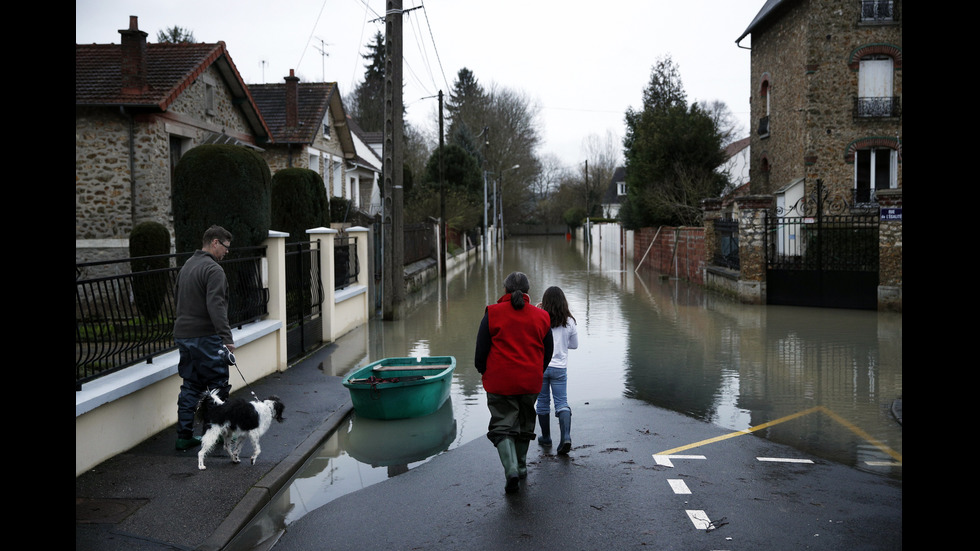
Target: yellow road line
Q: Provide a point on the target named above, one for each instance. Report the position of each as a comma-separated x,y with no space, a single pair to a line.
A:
838,418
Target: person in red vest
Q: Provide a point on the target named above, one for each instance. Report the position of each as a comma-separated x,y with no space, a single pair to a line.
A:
513,348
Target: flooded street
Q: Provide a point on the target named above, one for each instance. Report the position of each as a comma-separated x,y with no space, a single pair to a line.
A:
822,381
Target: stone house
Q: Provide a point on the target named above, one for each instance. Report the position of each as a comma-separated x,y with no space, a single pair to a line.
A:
310,129
826,80
138,108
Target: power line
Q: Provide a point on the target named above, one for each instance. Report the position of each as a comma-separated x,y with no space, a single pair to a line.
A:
436,50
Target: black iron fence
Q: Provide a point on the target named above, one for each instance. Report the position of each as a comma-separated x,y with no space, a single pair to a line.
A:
841,243
419,242
125,309
347,266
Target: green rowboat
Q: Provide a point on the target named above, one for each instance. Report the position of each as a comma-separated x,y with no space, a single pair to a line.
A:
401,388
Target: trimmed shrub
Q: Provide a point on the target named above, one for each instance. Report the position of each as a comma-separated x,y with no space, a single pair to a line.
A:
298,202
227,185
150,279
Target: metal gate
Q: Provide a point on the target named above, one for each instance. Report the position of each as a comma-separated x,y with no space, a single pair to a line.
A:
824,258
304,298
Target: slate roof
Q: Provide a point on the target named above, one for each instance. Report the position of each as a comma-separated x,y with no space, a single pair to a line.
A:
612,195
170,69
314,99
767,10
313,102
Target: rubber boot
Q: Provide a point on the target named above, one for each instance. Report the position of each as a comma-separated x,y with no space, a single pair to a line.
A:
565,424
521,446
507,451
545,438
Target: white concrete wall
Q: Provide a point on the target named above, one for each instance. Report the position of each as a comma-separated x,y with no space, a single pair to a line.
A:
118,411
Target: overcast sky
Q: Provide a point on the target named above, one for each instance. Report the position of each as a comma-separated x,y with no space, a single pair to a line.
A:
582,63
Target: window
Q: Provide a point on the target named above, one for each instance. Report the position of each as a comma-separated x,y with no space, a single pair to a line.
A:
209,99
875,88
621,188
326,131
764,121
877,10
874,168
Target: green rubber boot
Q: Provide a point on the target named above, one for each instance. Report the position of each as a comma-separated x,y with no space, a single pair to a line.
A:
507,451
522,446
545,438
565,424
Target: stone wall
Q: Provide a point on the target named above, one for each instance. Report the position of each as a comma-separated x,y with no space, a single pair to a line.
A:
115,148
808,57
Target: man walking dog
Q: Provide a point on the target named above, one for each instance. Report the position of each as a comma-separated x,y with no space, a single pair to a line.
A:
202,331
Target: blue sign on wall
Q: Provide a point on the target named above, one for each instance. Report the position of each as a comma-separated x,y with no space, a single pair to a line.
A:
891,215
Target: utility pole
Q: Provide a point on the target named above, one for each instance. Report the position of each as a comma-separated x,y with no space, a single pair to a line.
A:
444,227
393,157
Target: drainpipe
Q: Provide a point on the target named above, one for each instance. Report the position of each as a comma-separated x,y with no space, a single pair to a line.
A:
132,166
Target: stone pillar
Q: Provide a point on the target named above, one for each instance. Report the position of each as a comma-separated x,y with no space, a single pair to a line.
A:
275,280
751,211
325,237
890,250
710,211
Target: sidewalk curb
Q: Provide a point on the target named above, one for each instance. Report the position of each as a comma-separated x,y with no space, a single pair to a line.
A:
266,489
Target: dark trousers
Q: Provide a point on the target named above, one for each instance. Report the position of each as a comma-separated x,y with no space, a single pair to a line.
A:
202,368
511,416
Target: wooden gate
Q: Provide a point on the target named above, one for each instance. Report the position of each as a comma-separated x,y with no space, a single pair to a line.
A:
823,257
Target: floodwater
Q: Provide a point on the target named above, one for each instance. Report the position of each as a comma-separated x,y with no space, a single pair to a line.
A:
836,373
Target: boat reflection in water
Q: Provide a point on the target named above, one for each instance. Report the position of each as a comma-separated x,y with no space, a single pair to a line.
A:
395,443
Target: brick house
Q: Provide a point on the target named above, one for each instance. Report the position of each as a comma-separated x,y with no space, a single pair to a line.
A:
138,108
826,80
310,129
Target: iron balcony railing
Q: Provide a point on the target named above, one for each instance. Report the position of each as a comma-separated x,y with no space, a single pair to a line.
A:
882,107
125,309
764,126
878,11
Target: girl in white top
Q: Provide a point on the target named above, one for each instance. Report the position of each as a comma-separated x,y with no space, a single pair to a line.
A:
565,335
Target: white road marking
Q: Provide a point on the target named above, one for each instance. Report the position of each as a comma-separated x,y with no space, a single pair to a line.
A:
699,518
678,486
665,459
783,460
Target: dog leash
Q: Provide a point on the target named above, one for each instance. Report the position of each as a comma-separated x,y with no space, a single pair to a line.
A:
230,357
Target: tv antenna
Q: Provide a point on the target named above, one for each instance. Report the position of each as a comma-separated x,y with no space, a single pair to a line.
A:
323,55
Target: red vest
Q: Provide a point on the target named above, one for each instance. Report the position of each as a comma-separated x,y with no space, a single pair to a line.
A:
515,364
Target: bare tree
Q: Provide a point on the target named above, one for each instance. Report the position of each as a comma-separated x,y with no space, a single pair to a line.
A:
602,158
729,127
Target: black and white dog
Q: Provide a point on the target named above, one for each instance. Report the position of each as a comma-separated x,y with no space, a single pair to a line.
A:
235,419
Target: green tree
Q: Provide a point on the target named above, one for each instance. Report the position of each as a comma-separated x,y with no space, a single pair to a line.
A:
672,150
464,189
175,35
366,102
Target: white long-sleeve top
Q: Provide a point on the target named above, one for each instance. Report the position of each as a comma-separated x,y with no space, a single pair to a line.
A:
566,338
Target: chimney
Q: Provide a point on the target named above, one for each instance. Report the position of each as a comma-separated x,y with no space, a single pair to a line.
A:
292,100
133,62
